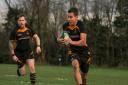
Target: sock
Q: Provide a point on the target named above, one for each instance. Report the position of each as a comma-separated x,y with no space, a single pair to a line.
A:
33,78
84,81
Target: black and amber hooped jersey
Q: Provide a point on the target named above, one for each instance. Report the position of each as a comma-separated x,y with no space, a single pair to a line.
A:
22,37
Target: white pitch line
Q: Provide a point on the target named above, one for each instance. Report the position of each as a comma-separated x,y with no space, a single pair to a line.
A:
61,79
10,75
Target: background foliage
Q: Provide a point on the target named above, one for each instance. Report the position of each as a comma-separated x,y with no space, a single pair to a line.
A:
106,23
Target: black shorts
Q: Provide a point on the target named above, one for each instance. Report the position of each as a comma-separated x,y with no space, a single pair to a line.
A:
24,55
82,59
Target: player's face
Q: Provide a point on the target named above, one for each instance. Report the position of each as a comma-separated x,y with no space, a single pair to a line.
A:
72,19
22,22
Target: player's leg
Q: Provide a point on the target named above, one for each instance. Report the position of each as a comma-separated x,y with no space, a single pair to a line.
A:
21,64
31,64
77,74
84,67
84,78
21,70
84,70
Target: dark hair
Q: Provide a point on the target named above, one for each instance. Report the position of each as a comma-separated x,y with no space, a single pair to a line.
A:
21,15
26,24
73,10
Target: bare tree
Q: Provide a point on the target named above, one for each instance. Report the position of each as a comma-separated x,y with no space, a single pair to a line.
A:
73,3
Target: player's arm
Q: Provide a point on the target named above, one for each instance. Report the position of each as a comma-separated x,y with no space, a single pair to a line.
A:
90,56
60,37
81,42
12,44
60,40
37,42
11,47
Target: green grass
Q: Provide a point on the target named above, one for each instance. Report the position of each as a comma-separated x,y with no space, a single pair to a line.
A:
57,75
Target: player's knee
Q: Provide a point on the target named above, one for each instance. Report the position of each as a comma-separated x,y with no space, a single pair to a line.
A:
75,66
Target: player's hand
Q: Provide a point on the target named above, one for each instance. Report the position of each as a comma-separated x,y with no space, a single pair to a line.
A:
67,40
15,58
89,61
38,50
90,57
60,40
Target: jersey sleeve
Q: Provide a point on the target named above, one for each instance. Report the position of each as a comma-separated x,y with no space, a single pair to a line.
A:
64,29
65,25
82,27
12,35
32,32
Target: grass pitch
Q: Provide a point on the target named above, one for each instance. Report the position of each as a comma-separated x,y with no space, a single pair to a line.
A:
59,75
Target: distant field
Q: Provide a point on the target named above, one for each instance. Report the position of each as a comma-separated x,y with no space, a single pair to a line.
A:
57,75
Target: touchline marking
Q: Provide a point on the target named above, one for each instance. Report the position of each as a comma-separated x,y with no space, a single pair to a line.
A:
9,75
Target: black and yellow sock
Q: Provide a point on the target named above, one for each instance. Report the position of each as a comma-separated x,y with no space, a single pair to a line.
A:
84,81
33,78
